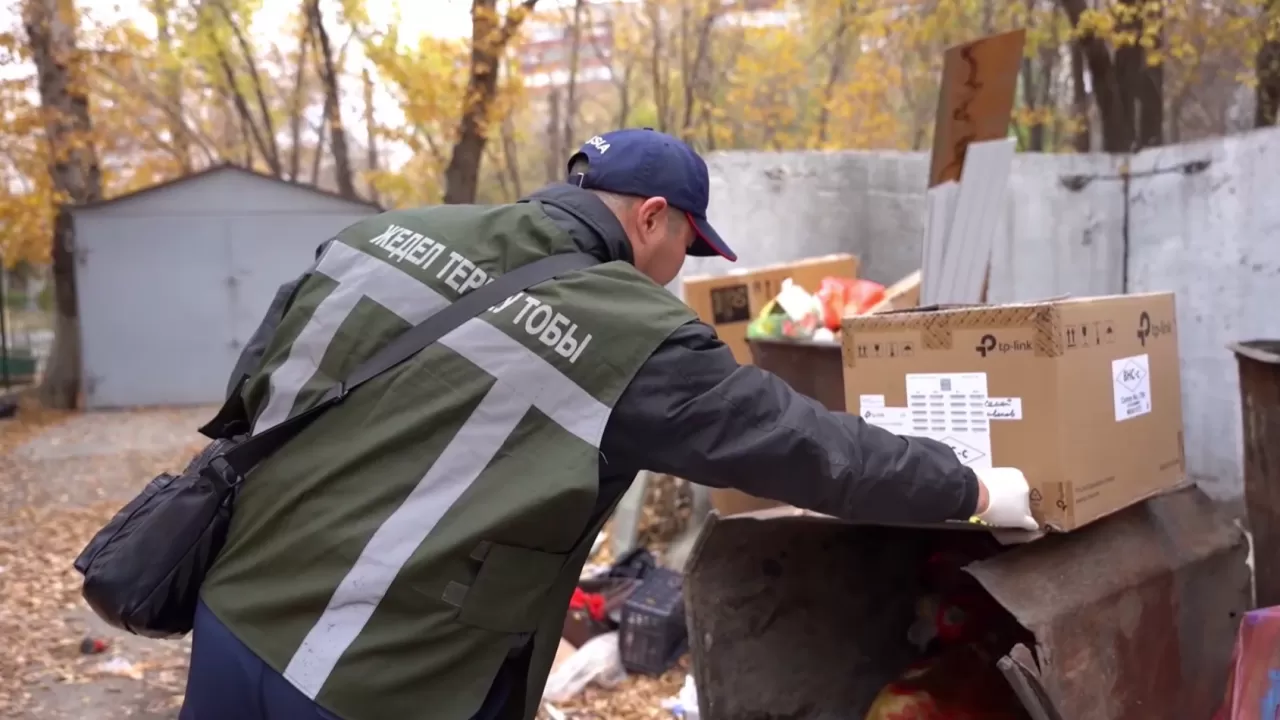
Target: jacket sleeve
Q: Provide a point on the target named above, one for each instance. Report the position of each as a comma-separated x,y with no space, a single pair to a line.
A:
252,353
693,412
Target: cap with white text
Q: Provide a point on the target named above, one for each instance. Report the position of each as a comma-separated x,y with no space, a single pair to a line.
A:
647,163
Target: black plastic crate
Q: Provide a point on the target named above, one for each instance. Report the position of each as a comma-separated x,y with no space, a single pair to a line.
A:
652,636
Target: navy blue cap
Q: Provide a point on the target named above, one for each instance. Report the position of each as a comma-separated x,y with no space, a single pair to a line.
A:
647,163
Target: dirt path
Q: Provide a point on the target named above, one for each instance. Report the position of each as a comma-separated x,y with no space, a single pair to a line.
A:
61,478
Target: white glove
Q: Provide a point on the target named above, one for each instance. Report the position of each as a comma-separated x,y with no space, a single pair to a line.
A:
1008,498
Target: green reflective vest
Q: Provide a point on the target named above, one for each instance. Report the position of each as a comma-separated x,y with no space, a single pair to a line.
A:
390,557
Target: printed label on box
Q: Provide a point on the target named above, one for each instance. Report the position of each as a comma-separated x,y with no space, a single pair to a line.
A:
894,419
730,305
952,409
1004,408
873,411
1131,383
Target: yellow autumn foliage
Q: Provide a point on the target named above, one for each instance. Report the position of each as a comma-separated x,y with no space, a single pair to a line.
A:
812,74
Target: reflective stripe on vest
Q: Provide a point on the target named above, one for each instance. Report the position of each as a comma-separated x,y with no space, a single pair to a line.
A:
523,381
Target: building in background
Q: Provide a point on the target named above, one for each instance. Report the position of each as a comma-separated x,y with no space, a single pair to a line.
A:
546,56
174,279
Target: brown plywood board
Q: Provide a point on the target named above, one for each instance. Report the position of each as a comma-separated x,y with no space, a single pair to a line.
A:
975,101
975,104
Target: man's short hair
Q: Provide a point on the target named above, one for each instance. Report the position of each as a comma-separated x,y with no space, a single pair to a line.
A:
616,201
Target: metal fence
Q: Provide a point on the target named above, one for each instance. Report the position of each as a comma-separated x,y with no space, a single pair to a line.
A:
26,325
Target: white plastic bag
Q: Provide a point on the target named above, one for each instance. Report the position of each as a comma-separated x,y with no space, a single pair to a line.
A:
684,705
598,661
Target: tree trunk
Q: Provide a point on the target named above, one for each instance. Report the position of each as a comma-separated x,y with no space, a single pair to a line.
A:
657,70
1267,94
371,134
295,100
1031,93
74,170
1048,69
839,49
489,38
1141,85
1035,131
318,154
624,96
332,106
171,86
1114,109
696,74
556,155
267,139
252,136
1083,141
571,91
510,153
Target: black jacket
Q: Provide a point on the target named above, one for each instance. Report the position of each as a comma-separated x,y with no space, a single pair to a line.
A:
692,411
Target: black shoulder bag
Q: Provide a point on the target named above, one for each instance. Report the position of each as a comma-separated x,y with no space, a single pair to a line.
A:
143,570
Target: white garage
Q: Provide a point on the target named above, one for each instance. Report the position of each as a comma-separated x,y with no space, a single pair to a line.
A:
174,279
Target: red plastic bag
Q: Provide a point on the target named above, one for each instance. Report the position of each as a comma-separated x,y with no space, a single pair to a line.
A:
961,683
840,294
1253,687
863,295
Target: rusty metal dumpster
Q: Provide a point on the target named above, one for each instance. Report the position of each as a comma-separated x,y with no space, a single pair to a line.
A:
800,616
1259,366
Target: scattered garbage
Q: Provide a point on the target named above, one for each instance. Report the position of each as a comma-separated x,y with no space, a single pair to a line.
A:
653,628
684,705
1253,687
793,313
799,315
93,646
840,296
596,605
960,633
597,661
119,667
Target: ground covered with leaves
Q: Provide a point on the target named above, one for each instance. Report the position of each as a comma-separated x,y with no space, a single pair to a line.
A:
62,475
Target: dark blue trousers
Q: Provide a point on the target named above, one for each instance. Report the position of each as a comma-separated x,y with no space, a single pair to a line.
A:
228,682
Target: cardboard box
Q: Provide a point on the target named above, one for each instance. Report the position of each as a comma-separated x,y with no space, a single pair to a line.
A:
902,295
729,302
1083,395
731,502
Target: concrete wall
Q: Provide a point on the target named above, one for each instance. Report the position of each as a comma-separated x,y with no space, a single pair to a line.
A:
775,207
1213,237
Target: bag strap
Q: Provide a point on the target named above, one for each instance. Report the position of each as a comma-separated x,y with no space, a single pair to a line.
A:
248,454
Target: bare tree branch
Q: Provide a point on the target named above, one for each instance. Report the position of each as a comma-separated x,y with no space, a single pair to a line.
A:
267,141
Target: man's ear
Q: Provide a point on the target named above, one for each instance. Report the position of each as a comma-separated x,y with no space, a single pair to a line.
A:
652,213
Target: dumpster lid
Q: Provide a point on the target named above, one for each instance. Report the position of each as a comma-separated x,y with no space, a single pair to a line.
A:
1005,536
1125,607
1132,616
1264,351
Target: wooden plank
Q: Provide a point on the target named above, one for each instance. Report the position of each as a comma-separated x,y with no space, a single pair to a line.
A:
984,186
975,104
940,202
